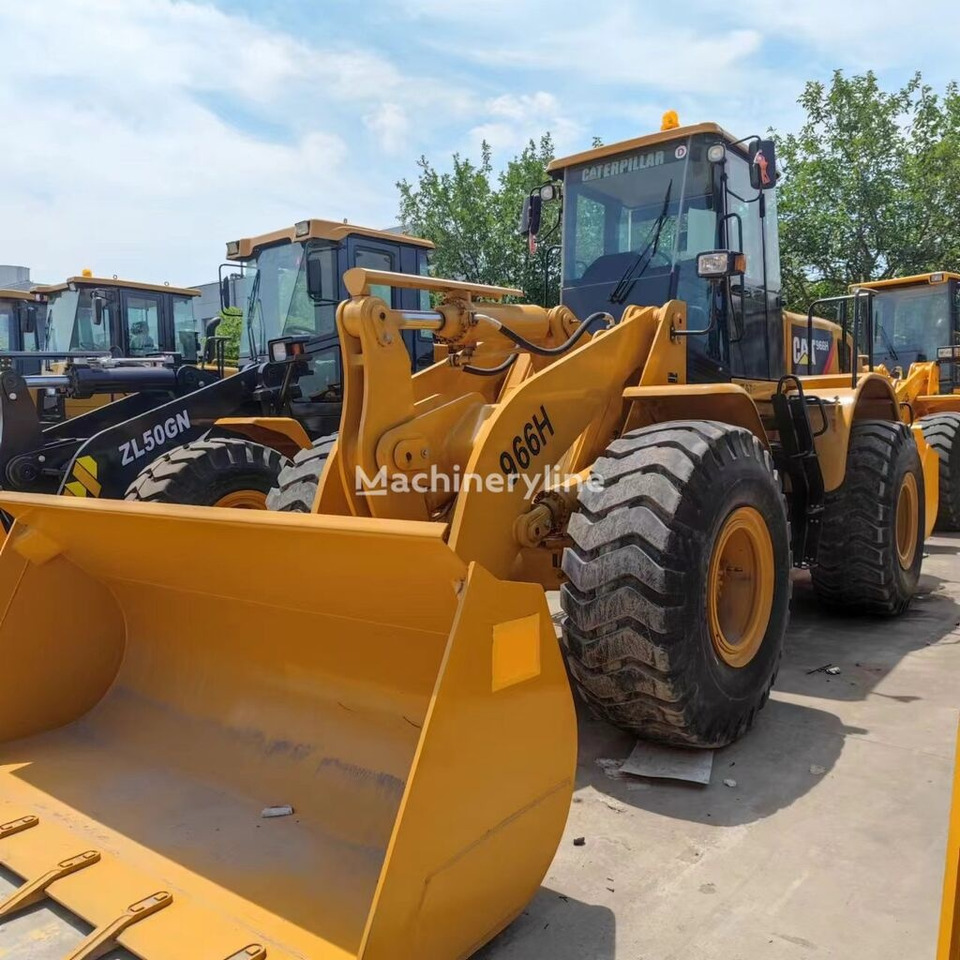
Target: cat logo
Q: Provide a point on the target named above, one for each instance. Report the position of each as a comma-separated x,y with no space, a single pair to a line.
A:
83,479
822,354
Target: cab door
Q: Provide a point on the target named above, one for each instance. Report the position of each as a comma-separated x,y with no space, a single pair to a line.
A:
143,323
381,255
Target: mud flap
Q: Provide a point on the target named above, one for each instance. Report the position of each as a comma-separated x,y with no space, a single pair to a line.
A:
172,671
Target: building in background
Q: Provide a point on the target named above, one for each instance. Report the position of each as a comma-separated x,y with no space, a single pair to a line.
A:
15,278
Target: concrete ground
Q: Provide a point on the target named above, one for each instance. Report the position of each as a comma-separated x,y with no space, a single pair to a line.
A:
831,844
789,863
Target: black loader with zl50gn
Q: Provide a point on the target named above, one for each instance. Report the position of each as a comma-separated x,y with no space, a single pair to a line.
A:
190,434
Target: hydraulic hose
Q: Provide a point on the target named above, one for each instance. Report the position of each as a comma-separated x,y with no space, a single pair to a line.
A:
491,371
525,344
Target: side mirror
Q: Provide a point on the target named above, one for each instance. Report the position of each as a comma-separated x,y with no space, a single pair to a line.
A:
763,164
721,264
27,315
315,278
99,306
530,216
225,293
210,327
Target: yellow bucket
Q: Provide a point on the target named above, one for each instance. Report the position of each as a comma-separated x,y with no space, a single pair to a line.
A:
169,672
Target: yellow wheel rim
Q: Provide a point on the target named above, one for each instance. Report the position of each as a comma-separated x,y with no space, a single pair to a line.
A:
740,586
243,500
908,520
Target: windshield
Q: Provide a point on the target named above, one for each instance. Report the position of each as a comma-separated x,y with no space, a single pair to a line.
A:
630,220
70,323
279,305
8,325
910,323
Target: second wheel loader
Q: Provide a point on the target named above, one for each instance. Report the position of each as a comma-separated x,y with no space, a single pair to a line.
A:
390,677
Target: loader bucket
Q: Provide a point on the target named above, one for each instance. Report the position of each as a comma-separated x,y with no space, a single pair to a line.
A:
170,672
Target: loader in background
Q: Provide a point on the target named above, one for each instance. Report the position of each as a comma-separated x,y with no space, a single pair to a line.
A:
391,673
189,434
95,322
915,329
22,320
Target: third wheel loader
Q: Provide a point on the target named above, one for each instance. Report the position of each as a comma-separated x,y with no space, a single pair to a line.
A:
387,674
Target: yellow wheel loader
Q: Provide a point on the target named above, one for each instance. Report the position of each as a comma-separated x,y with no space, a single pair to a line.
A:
366,746
948,945
22,320
916,339
94,323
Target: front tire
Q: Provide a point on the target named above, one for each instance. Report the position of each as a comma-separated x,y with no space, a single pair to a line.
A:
218,472
871,545
942,432
297,483
679,583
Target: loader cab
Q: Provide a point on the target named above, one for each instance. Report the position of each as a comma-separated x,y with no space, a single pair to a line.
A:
636,217
295,283
22,320
914,320
122,318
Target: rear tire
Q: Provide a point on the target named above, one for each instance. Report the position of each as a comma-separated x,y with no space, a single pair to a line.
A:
649,642
870,548
222,471
942,432
297,484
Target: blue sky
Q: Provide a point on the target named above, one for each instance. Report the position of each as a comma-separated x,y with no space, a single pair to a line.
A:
141,135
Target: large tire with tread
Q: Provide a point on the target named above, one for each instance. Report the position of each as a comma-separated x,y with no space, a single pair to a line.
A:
641,637
942,432
871,545
220,471
298,481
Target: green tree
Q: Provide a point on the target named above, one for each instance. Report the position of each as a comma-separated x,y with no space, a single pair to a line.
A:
870,187
472,213
231,327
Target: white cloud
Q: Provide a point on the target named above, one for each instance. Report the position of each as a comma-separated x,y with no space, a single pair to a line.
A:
512,119
149,132
390,123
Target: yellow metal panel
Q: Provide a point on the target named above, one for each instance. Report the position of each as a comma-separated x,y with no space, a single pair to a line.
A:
446,848
930,465
948,947
353,680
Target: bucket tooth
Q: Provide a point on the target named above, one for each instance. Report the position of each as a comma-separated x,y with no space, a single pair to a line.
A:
255,951
17,826
101,940
35,890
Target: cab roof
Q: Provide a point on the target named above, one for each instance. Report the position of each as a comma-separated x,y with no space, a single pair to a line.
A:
31,295
638,143
935,277
316,230
114,282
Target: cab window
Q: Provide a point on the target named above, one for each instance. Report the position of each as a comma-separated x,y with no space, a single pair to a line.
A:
143,324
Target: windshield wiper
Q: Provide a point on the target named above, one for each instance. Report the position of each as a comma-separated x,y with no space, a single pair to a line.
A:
253,303
886,339
639,266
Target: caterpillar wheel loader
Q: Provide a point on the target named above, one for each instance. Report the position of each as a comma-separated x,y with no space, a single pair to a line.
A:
390,678
22,320
187,432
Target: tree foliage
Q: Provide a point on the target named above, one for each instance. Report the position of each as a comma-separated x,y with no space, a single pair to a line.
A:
871,185
231,327
472,212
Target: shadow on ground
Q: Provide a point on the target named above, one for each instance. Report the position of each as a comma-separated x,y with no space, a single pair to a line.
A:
558,927
865,649
787,738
